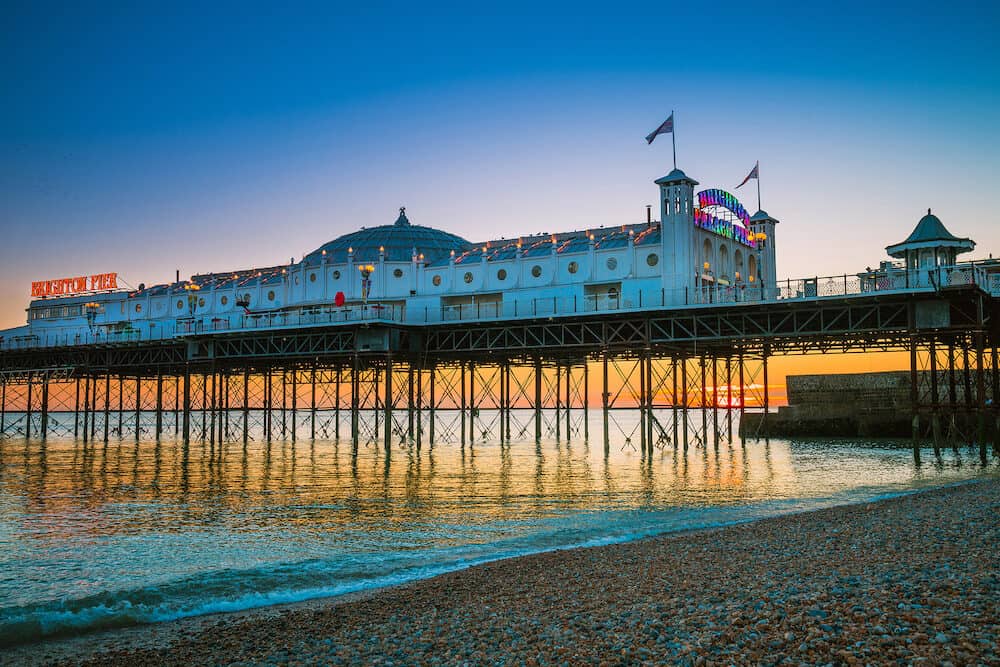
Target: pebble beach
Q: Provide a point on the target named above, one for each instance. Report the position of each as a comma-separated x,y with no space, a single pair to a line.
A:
906,580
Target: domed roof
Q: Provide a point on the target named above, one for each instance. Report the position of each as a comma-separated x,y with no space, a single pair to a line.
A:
399,240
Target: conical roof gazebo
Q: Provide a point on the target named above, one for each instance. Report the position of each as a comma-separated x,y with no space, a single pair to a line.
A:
930,245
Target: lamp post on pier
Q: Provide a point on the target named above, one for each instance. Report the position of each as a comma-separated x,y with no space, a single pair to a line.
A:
366,281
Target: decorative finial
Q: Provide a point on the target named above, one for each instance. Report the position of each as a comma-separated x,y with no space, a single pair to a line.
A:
402,220
928,211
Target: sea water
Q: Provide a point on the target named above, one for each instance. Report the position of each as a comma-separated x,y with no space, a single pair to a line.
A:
98,535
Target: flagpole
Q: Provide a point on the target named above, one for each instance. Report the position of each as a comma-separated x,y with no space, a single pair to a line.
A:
673,137
758,187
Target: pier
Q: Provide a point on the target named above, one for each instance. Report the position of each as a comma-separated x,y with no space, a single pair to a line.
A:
692,371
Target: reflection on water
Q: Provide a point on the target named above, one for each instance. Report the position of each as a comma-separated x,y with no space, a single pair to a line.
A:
96,535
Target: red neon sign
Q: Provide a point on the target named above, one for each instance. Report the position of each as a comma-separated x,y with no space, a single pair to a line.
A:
66,286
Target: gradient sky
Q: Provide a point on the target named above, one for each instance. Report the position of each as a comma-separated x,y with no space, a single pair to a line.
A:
208,138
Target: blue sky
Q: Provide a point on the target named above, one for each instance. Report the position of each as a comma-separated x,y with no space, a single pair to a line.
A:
183,137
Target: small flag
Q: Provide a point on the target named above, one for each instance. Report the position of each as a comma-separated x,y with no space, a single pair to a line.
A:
666,128
754,173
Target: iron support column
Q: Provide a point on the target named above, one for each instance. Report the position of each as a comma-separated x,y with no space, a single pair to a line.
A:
388,404
187,403
159,404
538,399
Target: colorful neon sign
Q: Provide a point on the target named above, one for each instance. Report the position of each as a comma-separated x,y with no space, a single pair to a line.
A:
79,284
726,228
716,197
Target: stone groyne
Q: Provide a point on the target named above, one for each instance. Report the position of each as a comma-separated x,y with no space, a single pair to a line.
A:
873,405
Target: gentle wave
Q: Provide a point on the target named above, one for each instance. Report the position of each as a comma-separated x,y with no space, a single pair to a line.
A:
239,590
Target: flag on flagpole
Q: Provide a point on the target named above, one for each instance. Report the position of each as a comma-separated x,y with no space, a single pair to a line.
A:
667,127
754,173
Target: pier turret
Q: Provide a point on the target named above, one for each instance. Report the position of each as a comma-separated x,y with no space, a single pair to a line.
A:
677,235
762,227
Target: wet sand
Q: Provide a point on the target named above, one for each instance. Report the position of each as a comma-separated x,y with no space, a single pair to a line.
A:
903,580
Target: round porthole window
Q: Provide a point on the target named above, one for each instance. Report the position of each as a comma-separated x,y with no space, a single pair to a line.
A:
201,302
180,304
336,275
467,277
270,295
502,274
436,280
138,307
612,263
398,273
224,300
536,271
573,267
652,259
312,277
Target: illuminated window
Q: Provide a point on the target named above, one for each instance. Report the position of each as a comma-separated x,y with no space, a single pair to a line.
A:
436,280
612,263
180,304
573,267
138,307
270,295
224,300
652,259
336,275
398,273
536,271
467,277
312,277
502,274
